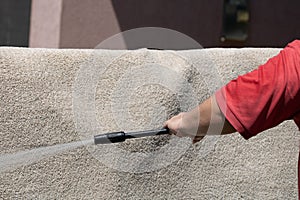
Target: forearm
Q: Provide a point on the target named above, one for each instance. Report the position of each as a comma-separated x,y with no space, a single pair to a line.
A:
205,119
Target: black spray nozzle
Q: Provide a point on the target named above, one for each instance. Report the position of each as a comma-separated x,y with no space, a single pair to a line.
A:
121,136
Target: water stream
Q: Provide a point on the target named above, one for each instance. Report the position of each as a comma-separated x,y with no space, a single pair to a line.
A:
27,157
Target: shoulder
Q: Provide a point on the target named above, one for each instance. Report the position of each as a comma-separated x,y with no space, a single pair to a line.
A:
294,44
291,52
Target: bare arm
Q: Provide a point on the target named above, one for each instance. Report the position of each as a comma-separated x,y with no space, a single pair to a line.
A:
205,119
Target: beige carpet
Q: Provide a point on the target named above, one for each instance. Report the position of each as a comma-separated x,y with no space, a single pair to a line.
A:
52,97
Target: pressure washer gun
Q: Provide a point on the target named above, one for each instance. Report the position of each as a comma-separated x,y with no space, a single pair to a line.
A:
121,136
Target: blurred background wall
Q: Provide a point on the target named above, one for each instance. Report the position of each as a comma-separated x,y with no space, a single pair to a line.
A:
14,22
84,24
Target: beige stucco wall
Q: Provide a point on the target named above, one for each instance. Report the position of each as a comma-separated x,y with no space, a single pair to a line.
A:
71,23
45,23
39,108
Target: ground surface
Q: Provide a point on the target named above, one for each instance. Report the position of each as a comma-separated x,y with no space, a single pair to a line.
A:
52,97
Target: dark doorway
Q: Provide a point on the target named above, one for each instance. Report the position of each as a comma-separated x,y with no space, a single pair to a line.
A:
14,22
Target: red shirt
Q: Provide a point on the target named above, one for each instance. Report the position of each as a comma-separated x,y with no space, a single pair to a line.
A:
265,97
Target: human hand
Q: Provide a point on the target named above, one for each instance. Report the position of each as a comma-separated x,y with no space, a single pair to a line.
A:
205,119
182,126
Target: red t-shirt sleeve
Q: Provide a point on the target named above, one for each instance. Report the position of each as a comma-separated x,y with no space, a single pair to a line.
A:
265,97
